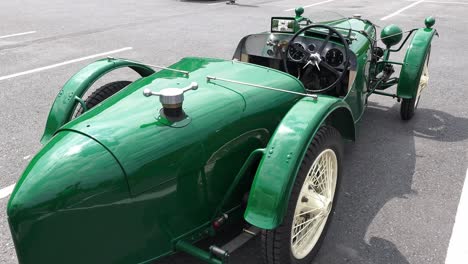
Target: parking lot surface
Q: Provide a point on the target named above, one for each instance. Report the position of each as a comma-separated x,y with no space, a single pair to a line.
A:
402,181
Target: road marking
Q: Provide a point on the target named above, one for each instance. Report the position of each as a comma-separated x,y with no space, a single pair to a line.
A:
17,34
311,5
457,251
401,10
63,63
6,191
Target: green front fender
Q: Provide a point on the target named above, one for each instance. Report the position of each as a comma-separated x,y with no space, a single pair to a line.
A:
414,62
277,171
66,100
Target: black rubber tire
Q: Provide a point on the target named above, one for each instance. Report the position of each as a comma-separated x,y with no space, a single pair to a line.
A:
101,94
408,106
275,244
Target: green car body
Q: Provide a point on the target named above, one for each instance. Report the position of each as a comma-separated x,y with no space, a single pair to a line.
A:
123,184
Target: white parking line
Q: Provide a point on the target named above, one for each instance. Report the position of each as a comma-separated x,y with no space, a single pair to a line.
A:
316,4
17,34
401,10
6,191
457,252
63,63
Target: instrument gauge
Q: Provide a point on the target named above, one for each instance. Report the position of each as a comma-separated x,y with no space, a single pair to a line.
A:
311,47
296,52
334,57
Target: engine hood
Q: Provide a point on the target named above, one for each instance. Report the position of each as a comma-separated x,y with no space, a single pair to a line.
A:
151,152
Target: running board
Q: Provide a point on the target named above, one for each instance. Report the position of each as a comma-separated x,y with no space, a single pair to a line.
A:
241,239
218,255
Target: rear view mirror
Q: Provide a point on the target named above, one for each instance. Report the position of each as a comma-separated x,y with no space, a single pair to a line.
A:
283,24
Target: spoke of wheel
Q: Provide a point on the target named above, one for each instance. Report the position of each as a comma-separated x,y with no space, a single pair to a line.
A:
307,212
305,235
329,67
324,43
303,231
316,174
306,224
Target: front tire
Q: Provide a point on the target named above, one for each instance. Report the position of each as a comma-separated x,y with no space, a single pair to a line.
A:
408,106
310,209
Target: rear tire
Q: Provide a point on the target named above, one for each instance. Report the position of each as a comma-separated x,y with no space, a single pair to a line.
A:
298,239
101,94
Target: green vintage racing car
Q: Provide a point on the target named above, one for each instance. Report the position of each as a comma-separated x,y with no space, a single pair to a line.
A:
141,170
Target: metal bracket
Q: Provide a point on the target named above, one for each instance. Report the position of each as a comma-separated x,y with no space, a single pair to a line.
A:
82,103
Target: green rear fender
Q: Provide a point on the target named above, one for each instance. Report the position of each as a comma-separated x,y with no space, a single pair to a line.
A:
413,64
277,171
68,97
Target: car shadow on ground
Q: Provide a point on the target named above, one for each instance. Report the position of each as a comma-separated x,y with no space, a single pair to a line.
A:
378,167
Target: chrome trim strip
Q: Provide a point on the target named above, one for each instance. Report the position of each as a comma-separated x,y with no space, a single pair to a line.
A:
211,78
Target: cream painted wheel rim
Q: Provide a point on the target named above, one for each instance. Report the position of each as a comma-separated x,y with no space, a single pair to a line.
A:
423,81
314,204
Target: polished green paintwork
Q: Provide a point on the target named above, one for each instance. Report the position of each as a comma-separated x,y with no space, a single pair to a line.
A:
429,22
391,35
171,180
70,204
414,62
121,184
71,93
277,171
222,116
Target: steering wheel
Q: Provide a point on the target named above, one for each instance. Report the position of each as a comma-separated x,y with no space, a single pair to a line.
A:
316,58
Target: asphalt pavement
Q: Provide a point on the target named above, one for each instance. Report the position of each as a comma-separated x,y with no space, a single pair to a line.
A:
402,180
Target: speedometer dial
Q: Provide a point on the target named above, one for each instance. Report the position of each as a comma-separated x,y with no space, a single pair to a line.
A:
334,57
296,52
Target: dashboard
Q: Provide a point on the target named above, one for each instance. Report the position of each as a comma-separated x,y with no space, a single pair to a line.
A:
333,55
272,45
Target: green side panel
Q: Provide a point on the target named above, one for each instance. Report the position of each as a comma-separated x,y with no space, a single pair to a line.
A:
164,183
277,171
72,205
65,103
413,63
